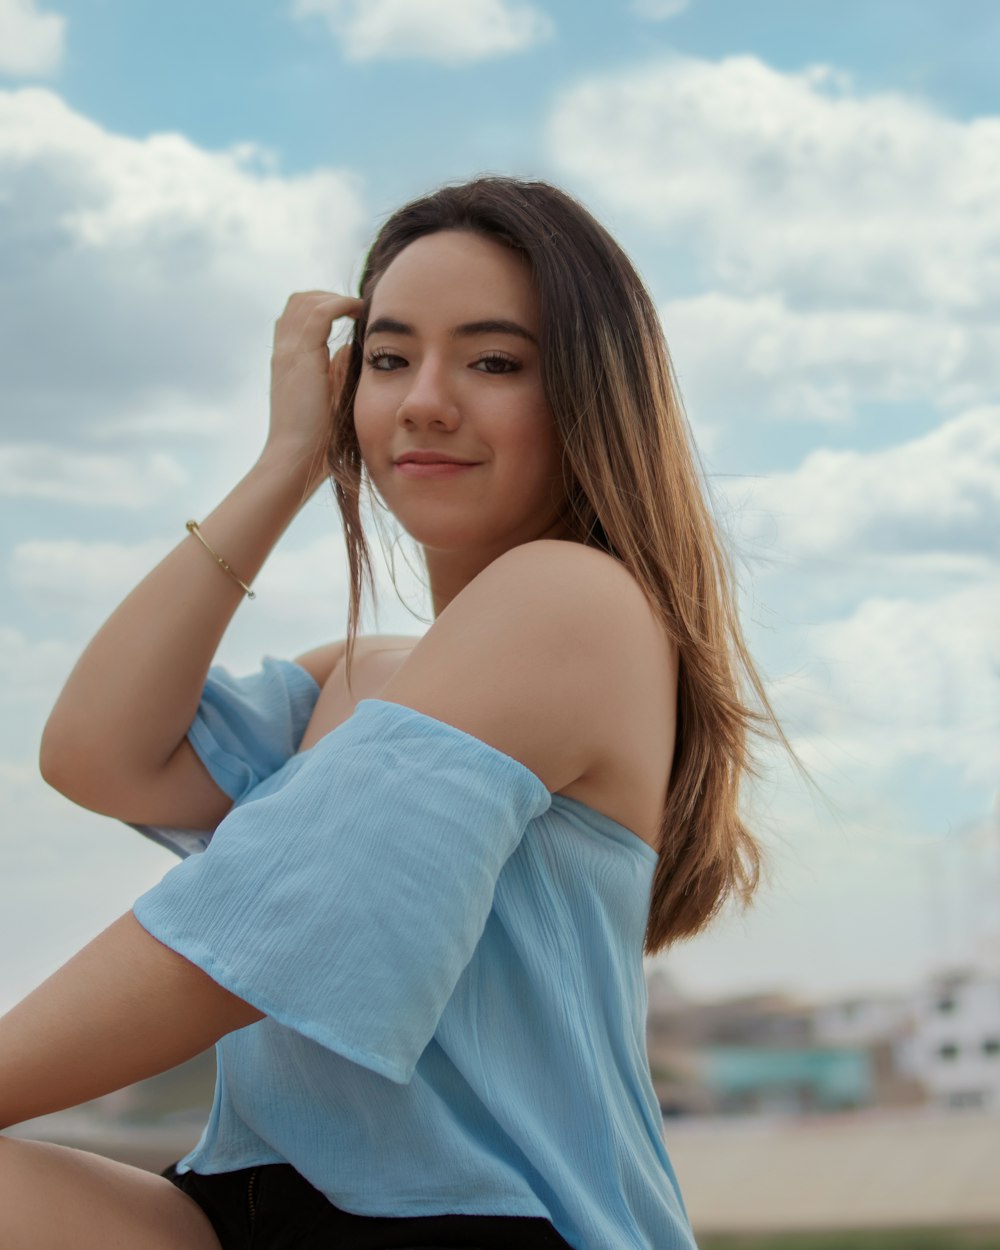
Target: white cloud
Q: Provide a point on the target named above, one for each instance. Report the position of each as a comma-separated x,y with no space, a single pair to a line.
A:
31,675
757,355
450,31
67,577
885,596
934,495
793,181
142,278
902,678
658,10
44,471
302,590
895,709
48,845
68,873
907,898
31,42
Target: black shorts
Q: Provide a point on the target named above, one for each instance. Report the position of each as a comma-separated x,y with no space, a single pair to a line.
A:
273,1207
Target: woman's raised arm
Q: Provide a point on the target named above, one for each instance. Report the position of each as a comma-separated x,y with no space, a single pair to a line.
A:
127,704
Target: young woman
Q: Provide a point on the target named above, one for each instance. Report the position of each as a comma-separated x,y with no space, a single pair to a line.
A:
433,865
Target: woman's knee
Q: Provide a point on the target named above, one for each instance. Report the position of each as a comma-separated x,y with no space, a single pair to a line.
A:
53,1197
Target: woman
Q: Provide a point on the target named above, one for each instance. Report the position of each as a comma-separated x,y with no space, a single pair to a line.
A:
416,934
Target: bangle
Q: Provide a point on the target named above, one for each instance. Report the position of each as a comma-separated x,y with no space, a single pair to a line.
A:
192,527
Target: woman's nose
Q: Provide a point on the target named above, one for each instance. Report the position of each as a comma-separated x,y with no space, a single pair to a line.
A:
429,397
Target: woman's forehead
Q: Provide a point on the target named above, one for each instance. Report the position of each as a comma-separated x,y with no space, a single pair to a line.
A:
455,269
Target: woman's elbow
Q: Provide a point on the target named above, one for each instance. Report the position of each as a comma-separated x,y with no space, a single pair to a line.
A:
53,758
74,771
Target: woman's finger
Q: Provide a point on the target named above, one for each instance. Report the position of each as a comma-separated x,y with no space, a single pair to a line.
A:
330,307
310,314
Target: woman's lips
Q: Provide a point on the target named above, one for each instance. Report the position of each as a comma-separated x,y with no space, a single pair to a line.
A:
441,468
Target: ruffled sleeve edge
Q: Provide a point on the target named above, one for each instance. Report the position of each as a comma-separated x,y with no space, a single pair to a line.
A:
204,959
233,775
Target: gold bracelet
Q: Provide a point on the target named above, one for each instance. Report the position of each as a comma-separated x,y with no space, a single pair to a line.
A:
193,529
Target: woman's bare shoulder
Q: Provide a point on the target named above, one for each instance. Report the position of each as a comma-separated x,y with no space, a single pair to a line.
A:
531,654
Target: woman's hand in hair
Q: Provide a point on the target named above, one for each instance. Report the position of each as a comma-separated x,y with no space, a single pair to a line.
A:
305,378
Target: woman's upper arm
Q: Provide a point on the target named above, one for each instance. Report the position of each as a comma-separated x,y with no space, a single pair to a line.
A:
182,795
529,657
245,728
186,795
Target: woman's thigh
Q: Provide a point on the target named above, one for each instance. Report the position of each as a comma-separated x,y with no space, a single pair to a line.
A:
57,1198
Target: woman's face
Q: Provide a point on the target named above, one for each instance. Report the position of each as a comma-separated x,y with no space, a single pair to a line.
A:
451,365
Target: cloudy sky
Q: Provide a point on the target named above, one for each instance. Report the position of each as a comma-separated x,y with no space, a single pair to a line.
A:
810,192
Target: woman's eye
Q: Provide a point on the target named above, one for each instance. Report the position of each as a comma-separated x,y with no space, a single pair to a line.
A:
378,358
384,360
495,363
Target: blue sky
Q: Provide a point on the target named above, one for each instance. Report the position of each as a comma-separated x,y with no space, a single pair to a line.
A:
809,191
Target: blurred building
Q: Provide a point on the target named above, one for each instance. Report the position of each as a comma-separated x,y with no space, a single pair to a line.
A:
752,1055
709,1058
937,1046
879,1026
953,1049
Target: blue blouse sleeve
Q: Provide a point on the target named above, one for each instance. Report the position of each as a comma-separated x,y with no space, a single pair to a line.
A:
245,728
346,900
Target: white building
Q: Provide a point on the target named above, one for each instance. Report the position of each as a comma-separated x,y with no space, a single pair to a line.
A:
863,1021
954,1046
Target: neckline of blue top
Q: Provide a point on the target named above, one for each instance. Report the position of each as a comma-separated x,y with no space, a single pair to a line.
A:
613,828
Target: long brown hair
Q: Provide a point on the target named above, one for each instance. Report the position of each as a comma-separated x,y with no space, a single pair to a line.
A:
634,490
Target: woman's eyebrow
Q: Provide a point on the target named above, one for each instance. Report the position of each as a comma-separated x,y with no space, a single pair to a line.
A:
389,325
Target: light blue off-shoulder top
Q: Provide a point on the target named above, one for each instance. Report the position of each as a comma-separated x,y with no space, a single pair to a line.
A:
449,959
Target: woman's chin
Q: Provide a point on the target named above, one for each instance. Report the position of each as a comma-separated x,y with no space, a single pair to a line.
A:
450,538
